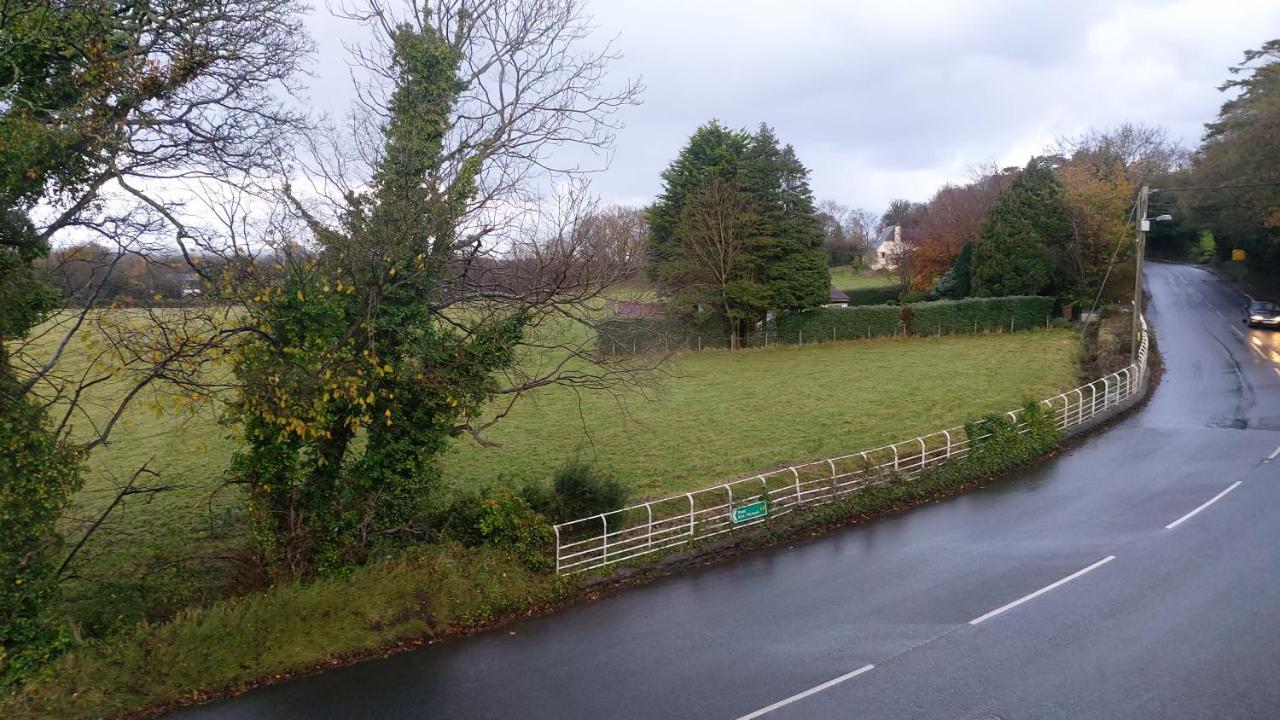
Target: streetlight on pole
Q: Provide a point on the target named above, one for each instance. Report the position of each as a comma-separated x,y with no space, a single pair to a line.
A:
1140,249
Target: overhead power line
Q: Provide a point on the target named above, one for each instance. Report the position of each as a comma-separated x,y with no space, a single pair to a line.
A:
1271,183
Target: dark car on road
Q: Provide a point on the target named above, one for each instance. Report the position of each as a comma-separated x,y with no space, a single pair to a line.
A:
1262,313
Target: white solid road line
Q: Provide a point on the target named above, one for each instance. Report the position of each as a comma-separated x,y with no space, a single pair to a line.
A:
807,693
1042,590
1211,501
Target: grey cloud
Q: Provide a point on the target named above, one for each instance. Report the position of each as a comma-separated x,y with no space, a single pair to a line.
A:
893,98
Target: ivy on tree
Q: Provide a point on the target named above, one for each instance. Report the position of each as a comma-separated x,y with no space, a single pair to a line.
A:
350,347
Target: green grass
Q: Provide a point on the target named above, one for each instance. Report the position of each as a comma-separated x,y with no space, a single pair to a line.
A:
426,593
845,277
711,416
721,413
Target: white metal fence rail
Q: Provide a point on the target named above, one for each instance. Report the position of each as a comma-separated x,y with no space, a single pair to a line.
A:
657,525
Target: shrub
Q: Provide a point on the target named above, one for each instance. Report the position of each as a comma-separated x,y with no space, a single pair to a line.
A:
1206,248
37,476
576,491
873,295
838,323
1019,312
497,518
997,444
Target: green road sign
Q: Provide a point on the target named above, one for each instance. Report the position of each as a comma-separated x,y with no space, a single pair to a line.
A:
751,511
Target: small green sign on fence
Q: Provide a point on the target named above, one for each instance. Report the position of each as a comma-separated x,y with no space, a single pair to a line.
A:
751,511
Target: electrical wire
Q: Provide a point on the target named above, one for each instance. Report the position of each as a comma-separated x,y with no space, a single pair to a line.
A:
1133,211
1269,183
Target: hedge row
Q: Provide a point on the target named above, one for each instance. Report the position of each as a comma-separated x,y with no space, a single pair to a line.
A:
873,295
942,317
945,317
848,323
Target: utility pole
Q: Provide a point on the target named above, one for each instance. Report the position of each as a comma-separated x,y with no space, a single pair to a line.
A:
1140,247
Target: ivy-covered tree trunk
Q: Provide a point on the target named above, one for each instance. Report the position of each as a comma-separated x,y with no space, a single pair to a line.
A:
354,385
38,474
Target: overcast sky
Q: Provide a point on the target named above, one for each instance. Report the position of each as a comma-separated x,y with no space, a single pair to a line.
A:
893,98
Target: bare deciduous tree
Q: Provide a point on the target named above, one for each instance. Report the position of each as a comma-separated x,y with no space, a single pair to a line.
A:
715,224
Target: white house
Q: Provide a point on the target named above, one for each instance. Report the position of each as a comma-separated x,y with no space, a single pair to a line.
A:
887,249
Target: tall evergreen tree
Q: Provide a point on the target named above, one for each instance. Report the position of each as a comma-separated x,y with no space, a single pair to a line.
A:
782,265
1019,249
790,236
712,151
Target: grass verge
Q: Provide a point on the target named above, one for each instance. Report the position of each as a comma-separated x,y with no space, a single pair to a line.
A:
234,644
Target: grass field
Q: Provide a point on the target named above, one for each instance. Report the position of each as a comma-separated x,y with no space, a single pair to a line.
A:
844,277
709,416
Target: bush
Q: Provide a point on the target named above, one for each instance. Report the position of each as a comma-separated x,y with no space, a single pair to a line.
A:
1016,312
1206,249
997,445
576,491
838,323
873,295
497,518
37,476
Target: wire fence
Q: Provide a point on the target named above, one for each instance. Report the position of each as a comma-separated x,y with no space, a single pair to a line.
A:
672,337
658,525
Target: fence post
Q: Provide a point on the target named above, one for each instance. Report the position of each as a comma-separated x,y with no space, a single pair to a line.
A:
801,331
604,547
797,474
557,529
690,496
649,542
948,434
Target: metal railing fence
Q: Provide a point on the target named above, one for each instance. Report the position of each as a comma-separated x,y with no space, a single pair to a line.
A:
657,525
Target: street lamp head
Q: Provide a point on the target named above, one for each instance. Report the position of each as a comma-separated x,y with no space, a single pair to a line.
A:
1163,218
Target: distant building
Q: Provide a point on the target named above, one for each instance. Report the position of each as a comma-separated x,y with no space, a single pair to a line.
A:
641,310
837,299
887,249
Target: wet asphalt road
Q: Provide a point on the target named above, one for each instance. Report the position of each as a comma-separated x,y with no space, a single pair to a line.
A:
1182,623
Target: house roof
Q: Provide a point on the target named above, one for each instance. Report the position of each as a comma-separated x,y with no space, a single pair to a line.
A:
640,309
887,234
838,296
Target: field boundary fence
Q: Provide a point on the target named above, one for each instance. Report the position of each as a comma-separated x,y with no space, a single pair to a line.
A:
658,525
